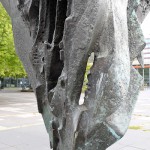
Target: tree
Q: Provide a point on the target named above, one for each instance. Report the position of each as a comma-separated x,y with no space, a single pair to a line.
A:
10,65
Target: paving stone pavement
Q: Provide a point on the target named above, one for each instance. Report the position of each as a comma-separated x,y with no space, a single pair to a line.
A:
22,127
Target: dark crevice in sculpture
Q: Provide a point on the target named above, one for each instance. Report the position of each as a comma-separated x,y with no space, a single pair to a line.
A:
30,15
60,19
52,17
56,136
55,69
57,20
45,20
33,18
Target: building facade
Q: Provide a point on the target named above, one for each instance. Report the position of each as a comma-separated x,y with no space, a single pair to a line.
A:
145,72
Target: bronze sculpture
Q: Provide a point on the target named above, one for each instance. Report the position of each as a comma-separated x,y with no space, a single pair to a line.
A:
54,40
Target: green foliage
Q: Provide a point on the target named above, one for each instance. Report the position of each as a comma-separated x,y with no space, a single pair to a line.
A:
10,65
89,65
135,127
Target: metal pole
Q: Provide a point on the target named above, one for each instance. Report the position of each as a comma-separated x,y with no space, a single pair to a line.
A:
149,78
143,77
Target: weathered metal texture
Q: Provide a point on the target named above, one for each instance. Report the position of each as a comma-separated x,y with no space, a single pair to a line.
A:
54,40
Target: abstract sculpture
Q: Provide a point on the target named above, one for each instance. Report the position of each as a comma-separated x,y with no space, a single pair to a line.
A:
54,39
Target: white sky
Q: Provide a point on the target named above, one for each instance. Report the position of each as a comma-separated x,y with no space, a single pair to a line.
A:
146,26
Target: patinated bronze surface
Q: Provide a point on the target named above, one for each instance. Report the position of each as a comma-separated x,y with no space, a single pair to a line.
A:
54,39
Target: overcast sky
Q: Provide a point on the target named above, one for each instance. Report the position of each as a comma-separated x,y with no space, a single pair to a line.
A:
146,25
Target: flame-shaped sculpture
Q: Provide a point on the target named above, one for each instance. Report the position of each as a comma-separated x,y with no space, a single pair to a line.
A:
54,39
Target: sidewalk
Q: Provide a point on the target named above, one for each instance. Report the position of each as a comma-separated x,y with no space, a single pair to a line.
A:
133,140
22,127
139,137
